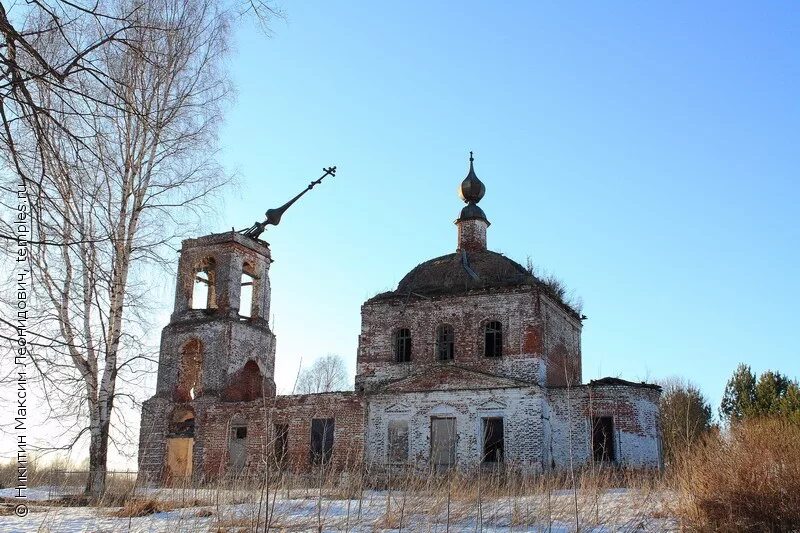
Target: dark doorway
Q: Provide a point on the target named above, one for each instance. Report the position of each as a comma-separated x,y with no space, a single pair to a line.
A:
321,440
493,441
603,438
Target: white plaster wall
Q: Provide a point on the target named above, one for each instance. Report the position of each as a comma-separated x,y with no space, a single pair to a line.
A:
521,409
567,424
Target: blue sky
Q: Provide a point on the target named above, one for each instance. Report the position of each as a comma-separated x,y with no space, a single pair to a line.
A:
646,154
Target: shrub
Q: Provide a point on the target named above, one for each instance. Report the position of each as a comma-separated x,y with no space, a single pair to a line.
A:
746,480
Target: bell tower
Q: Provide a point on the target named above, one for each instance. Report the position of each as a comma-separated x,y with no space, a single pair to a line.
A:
217,352
219,333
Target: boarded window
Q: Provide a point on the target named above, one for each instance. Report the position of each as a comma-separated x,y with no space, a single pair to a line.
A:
321,440
402,345
281,444
445,342
443,441
493,440
493,344
237,448
603,438
397,441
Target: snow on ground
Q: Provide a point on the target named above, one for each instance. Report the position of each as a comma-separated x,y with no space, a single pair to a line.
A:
221,510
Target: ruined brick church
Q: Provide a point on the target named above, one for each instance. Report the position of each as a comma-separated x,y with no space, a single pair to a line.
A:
471,361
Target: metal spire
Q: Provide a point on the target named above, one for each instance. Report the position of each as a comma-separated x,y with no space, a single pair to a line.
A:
273,216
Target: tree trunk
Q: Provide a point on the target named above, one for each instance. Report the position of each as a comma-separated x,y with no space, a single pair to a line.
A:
98,452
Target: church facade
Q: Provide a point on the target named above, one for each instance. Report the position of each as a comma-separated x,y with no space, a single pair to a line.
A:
471,361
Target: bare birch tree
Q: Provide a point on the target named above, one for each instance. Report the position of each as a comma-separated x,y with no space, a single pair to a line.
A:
328,373
118,157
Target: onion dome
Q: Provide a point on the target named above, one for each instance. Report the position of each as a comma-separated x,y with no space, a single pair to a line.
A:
472,189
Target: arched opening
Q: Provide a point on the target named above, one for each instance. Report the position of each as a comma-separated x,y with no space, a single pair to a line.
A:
246,309
180,444
245,385
402,345
204,293
190,367
445,342
493,339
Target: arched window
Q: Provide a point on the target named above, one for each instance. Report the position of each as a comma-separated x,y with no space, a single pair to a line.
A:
493,344
445,342
190,369
204,293
249,292
402,345
246,296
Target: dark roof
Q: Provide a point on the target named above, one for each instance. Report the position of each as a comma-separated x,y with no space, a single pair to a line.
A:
463,272
611,382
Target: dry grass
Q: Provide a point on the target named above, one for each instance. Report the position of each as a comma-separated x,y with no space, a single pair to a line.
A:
748,480
136,507
405,499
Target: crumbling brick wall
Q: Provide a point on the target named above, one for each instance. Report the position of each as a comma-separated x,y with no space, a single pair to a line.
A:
152,439
634,408
261,416
535,331
214,419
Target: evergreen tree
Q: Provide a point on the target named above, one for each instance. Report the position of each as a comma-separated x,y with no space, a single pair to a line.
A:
740,392
790,403
769,392
773,394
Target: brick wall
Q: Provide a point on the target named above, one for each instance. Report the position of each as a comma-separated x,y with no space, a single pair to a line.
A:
472,235
635,413
227,345
535,330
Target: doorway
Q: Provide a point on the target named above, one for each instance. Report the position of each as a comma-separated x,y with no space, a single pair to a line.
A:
180,445
237,449
443,442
